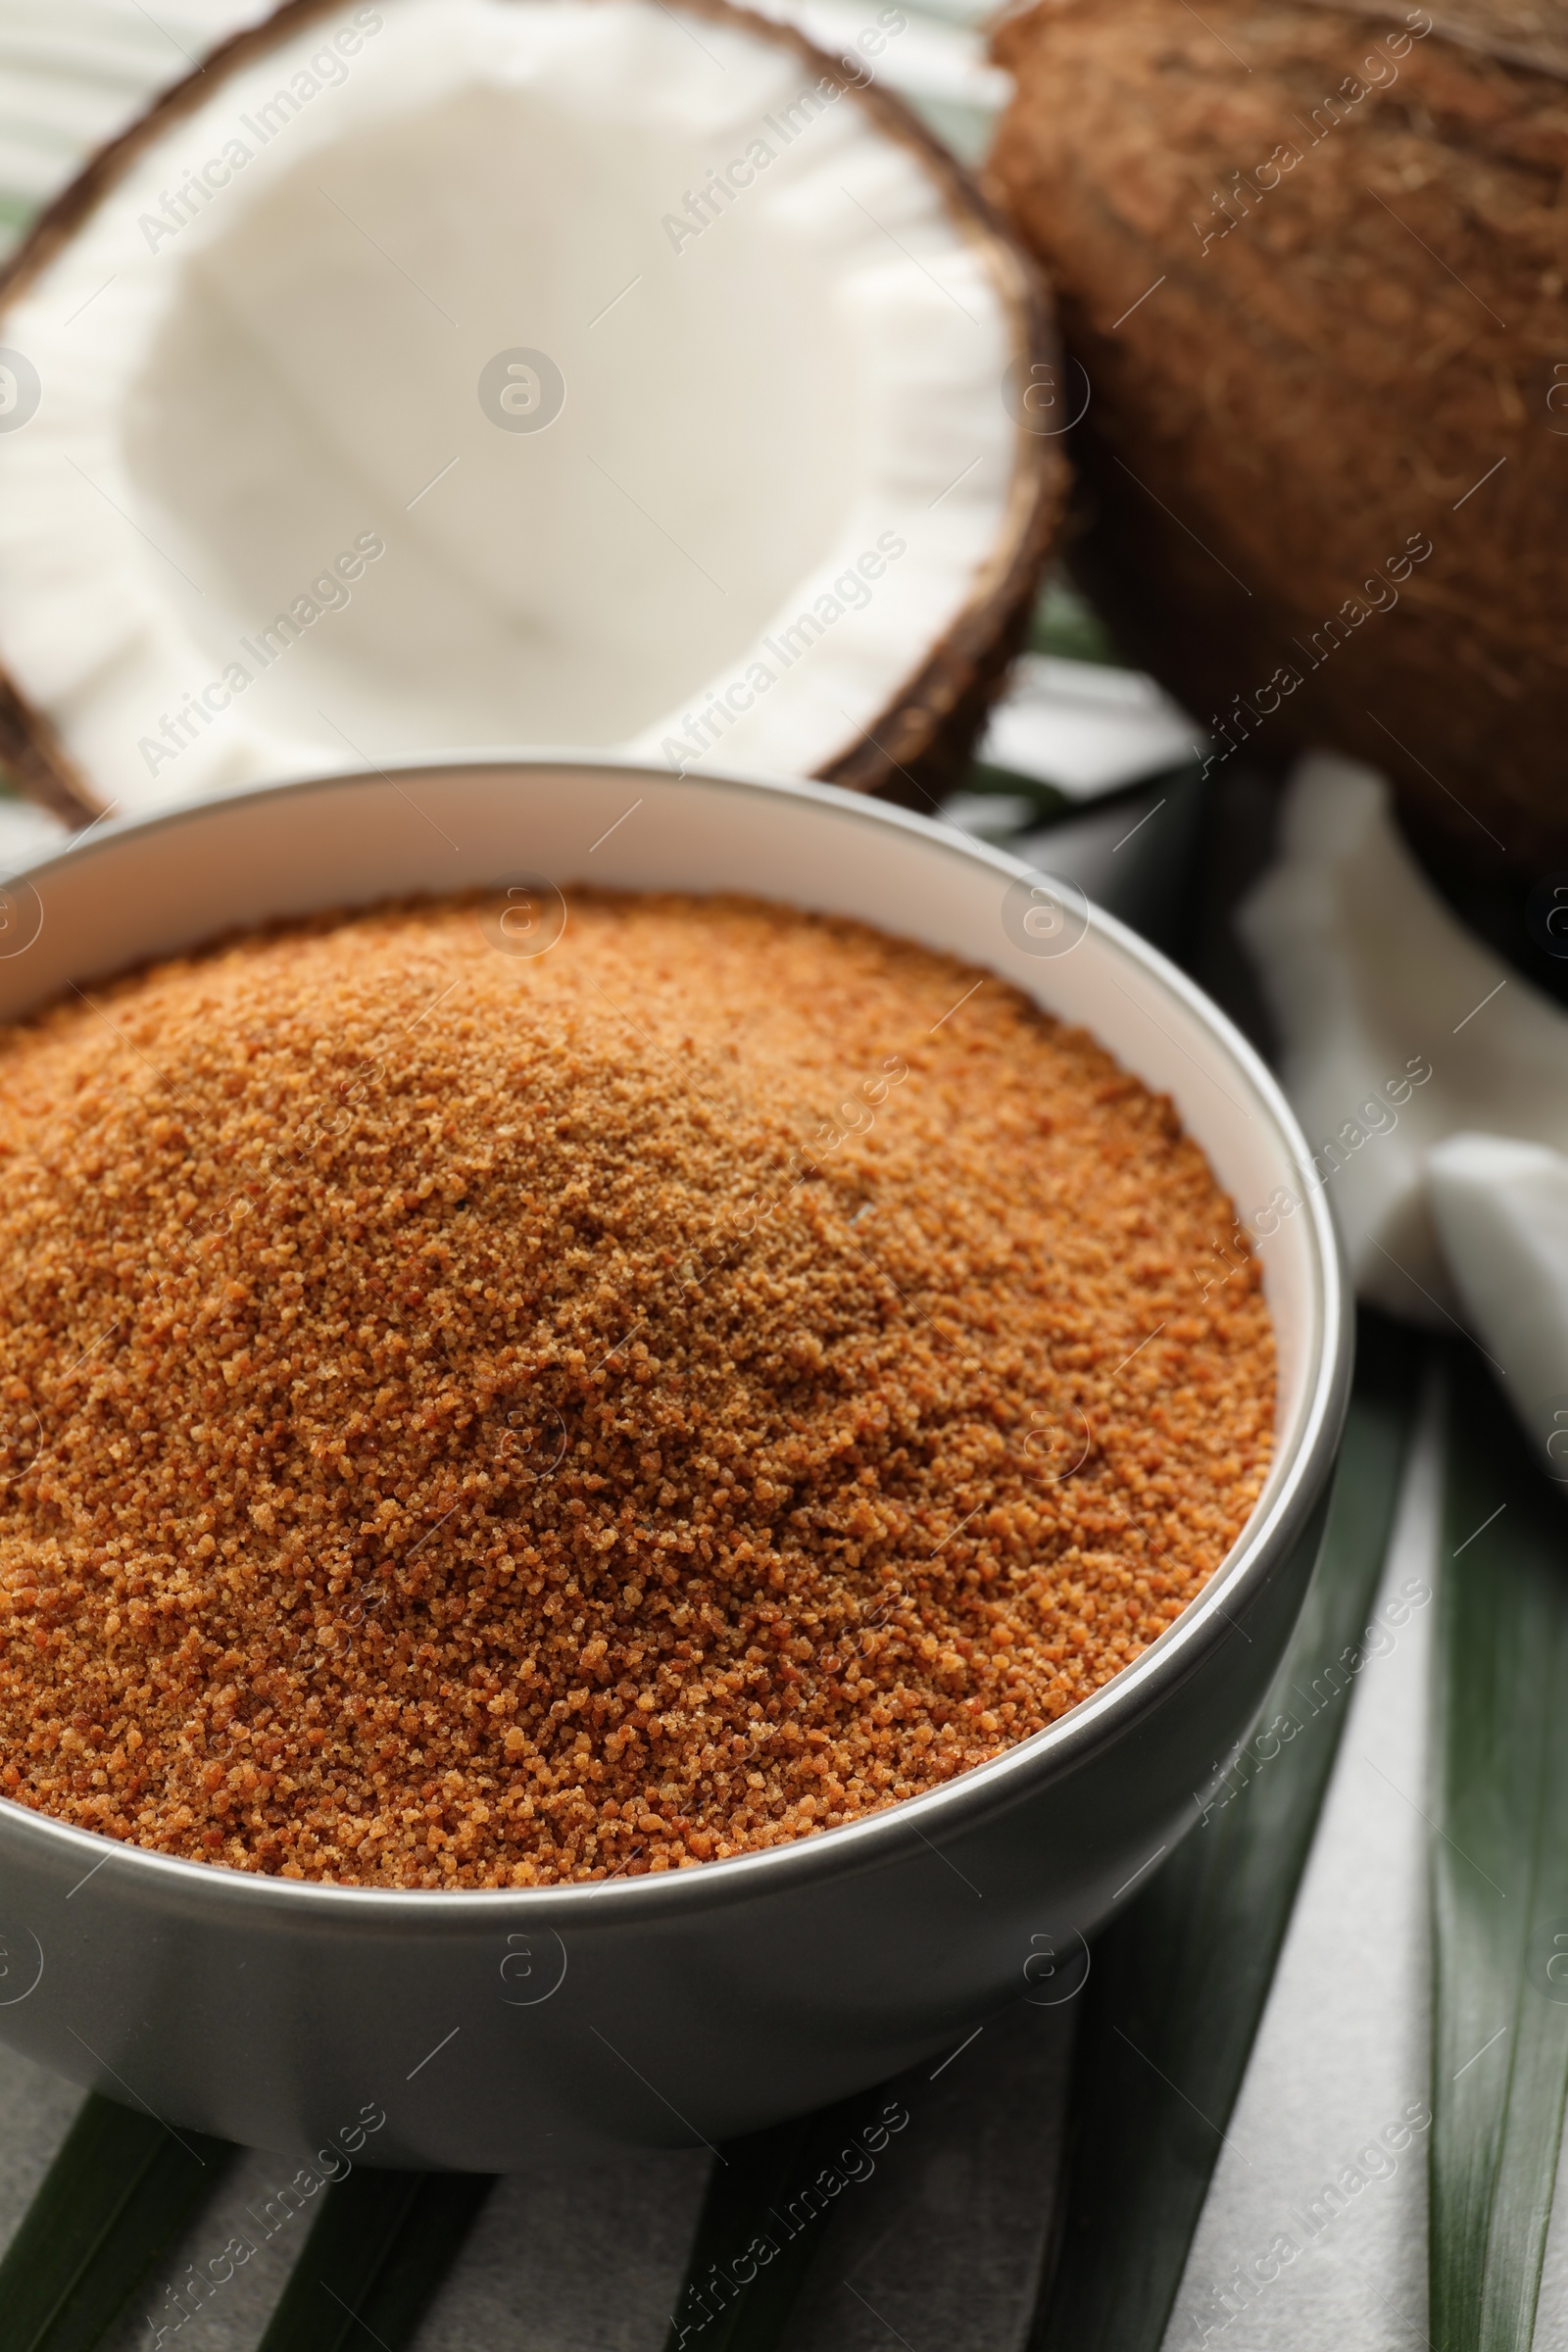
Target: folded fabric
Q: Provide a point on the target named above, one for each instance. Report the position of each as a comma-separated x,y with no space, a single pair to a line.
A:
1500,1207
1397,1030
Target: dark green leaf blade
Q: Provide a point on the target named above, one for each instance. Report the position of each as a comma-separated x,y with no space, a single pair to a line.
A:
379,2250
1066,624
425,2251
117,2195
763,2216
1499,1878
752,2176
1180,1981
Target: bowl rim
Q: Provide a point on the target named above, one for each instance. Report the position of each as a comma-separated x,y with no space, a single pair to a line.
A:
1059,1752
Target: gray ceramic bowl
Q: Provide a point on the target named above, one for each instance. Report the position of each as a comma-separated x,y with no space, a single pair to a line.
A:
698,2003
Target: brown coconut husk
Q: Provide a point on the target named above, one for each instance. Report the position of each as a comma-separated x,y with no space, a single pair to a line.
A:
1360,364
917,748
1526,32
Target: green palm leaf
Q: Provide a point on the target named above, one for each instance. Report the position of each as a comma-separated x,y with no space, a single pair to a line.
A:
117,2195
1499,1878
769,2199
380,2248
1179,1982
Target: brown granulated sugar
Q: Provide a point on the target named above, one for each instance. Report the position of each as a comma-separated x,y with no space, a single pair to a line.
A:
477,1419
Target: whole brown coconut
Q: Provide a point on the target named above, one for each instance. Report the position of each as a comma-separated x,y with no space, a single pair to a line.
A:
1312,261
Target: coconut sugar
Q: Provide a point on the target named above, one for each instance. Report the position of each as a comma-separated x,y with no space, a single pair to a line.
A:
484,1419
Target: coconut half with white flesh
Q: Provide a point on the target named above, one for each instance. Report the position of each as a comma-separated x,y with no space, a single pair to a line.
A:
477,372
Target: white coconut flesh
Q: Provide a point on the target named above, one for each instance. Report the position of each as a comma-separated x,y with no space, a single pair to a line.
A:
262,521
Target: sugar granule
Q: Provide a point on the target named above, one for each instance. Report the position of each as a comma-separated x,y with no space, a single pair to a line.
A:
476,1419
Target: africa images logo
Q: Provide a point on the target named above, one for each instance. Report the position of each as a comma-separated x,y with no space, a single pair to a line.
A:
327,70
328,592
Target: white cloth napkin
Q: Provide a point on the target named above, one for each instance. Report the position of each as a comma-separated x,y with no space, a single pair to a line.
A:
1500,1208
1432,1081
1398,1027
